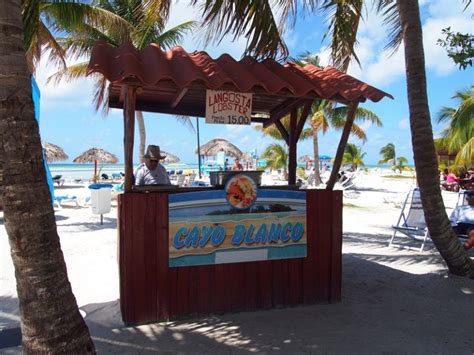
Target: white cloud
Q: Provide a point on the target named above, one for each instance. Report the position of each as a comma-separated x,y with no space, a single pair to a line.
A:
386,69
65,95
404,124
383,69
436,57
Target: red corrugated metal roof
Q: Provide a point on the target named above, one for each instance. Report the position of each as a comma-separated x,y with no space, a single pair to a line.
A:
152,65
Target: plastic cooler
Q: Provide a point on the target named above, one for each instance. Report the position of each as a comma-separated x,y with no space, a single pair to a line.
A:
101,196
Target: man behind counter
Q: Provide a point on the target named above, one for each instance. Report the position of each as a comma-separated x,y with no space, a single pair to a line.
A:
151,172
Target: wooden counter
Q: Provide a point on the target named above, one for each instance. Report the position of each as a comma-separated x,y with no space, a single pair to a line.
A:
150,290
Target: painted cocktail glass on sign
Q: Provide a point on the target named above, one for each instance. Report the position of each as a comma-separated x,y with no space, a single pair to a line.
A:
207,228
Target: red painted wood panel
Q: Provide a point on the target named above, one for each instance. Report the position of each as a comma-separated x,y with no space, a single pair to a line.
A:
152,291
336,248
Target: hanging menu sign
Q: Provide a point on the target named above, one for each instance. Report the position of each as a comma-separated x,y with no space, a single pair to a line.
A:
228,107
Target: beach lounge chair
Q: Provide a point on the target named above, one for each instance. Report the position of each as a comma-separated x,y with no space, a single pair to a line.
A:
412,219
57,179
180,180
60,200
116,176
190,180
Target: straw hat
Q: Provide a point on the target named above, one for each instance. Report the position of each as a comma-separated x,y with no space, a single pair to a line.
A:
153,152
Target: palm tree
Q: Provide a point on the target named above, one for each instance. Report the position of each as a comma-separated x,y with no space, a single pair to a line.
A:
424,152
401,164
459,135
50,319
353,156
276,156
324,114
144,25
388,154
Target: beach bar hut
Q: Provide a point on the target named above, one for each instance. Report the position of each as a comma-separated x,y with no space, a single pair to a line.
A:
238,246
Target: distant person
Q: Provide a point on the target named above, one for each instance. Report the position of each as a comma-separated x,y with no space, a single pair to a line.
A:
451,182
309,167
444,175
151,172
226,164
237,165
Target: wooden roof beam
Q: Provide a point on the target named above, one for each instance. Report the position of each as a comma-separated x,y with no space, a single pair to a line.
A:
303,117
284,133
282,110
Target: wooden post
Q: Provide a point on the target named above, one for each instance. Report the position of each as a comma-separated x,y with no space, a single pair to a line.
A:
292,148
342,145
129,133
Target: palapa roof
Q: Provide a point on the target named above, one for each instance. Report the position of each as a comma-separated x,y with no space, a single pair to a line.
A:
176,81
170,158
53,152
215,146
98,154
305,158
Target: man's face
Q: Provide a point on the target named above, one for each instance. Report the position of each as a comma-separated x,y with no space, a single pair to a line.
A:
151,163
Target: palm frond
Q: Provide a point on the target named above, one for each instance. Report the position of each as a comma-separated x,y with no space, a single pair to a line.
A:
388,154
445,114
70,73
465,156
357,131
175,35
186,121
306,133
276,156
362,114
388,10
253,20
345,18
70,15
47,40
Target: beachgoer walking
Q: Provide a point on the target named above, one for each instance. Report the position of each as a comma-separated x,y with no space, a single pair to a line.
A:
151,172
226,164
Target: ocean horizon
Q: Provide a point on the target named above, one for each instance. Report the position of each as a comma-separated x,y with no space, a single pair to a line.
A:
86,170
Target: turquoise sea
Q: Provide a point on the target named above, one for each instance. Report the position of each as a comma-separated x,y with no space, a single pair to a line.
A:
71,171
85,171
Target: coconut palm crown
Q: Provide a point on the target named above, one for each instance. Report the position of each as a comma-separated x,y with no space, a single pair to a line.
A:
458,136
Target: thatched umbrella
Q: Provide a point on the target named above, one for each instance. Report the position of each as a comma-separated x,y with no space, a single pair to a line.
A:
215,146
305,158
170,158
246,157
96,155
53,152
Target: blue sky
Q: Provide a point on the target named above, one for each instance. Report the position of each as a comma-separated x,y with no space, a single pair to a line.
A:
68,118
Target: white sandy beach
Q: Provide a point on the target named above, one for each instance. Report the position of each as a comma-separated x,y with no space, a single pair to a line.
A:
394,300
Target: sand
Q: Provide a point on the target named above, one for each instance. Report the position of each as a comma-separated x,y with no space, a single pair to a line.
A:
394,300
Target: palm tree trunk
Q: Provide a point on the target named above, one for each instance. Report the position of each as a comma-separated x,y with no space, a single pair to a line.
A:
317,172
342,145
50,319
424,151
142,133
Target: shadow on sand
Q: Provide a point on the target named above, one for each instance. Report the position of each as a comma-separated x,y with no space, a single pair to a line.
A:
382,310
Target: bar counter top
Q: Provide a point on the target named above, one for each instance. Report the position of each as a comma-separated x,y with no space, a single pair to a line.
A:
177,189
